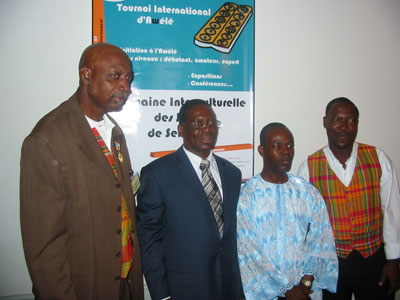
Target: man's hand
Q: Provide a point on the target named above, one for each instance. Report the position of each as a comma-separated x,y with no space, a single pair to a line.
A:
298,292
391,273
307,281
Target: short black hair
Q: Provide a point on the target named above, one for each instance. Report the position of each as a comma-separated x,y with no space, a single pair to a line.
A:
267,128
340,100
182,115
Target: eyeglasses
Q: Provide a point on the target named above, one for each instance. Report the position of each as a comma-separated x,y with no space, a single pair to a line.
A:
201,123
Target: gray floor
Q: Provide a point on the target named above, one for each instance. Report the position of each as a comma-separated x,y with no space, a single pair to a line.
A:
30,296
146,296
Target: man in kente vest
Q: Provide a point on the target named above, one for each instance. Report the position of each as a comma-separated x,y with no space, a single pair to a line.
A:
360,188
77,202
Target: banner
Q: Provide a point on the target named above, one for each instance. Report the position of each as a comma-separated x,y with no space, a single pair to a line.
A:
182,50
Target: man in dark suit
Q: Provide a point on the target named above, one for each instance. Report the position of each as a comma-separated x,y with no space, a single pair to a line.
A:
188,240
77,204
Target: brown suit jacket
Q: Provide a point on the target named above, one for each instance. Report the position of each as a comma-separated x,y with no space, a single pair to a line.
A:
71,210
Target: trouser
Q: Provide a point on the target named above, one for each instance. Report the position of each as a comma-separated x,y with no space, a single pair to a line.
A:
125,290
360,276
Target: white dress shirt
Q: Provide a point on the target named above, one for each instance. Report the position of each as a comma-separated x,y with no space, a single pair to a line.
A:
389,192
104,127
196,160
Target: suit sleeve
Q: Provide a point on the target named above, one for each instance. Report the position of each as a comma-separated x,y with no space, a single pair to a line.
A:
150,219
43,202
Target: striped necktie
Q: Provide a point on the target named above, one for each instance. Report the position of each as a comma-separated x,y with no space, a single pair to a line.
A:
212,193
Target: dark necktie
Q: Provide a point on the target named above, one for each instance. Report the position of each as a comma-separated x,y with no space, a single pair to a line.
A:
213,194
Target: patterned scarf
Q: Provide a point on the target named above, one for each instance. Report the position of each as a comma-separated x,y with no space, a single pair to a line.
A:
126,224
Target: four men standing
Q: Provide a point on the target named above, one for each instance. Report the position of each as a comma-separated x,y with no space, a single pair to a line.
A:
78,216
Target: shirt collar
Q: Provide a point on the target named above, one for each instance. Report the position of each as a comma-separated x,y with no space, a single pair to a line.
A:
331,157
196,160
106,122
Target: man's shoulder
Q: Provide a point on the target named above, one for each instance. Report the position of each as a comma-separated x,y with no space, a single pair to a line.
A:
316,153
363,146
302,184
55,130
383,159
226,163
165,162
299,181
252,183
53,120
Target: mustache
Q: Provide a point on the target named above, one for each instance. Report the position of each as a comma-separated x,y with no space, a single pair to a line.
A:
122,94
344,134
286,158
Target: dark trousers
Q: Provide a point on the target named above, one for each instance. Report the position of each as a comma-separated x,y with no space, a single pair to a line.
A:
124,290
360,276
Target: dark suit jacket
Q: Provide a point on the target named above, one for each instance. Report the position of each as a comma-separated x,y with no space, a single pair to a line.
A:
70,210
182,253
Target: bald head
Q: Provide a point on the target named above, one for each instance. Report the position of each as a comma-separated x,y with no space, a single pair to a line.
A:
267,128
105,73
98,52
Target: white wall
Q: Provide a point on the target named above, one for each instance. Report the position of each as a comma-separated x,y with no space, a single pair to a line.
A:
41,42
307,53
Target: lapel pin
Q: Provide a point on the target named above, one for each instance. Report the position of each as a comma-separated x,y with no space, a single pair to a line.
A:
118,149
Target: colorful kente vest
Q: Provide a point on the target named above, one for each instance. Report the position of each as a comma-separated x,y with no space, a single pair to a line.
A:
126,223
355,211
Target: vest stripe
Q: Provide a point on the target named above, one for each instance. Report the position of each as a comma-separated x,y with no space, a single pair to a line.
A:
355,211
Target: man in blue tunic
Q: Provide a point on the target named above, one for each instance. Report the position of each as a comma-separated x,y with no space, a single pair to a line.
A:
285,241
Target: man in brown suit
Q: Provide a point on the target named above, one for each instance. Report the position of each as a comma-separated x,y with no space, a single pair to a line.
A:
75,193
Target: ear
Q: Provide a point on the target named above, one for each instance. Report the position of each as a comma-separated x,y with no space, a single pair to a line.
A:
324,122
180,129
84,74
261,150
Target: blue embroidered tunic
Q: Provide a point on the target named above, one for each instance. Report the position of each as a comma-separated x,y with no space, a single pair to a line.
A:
283,233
